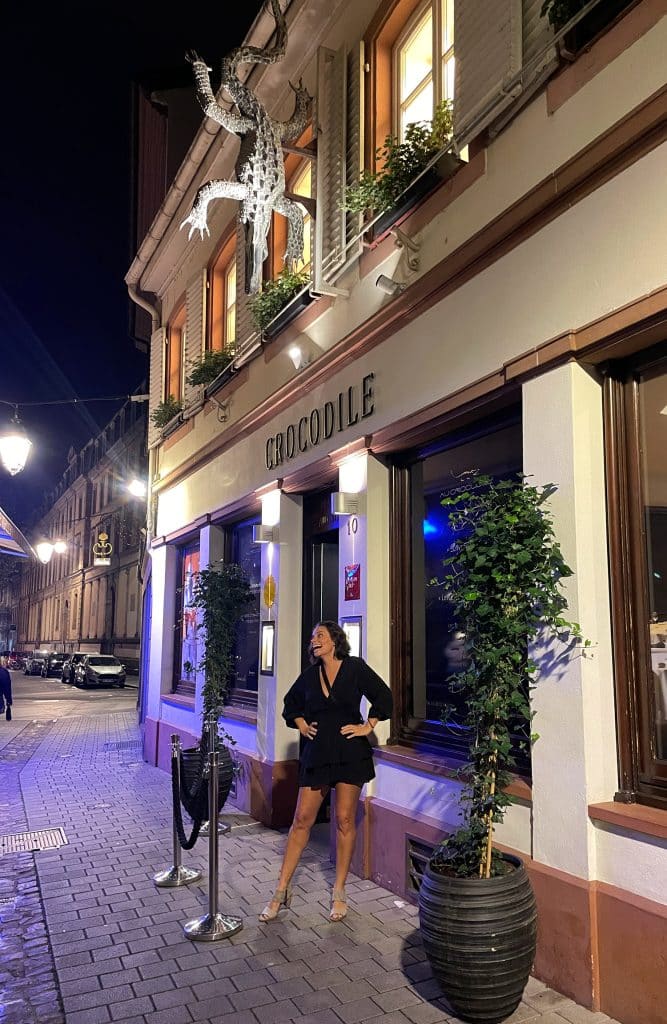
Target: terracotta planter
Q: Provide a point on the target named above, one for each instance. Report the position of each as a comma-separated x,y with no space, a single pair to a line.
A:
480,936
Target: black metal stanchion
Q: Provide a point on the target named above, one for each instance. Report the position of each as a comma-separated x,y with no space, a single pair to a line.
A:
213,926
176,875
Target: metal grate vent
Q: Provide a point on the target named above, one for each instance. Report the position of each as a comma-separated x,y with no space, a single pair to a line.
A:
29,842
418,854
123,745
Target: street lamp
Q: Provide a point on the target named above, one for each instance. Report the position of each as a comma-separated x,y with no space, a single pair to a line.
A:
15,446
45,549
137,488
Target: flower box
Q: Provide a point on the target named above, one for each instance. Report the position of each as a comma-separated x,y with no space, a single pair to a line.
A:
445,168
287,315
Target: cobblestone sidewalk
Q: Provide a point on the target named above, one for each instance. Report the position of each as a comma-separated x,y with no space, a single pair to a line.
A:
117,941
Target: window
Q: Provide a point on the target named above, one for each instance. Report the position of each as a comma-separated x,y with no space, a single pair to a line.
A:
175,355
222,298
427,645
423,73
187,654
636,437
298,182
247,554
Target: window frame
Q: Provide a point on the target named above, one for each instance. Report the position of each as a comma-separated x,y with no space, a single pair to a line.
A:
184,549
175,343
629,585
277,239
425,736
237,696
217,277
439,59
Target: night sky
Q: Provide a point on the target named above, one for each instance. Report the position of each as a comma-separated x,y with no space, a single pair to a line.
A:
65,209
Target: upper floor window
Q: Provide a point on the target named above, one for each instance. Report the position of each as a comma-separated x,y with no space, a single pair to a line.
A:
222,298
423,64
298,182
175,355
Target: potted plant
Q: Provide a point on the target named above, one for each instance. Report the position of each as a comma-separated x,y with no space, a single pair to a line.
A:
210,366
392,190
222,594
166,411
559,12
477,910
275,295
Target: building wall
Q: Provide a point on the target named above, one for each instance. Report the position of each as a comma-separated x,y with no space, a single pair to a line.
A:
70,604
514,290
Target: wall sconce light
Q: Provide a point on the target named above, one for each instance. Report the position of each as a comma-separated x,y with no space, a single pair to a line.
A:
344,503
262,534
267,648
298,357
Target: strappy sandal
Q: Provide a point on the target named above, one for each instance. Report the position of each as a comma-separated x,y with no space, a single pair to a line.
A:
280,898
338,896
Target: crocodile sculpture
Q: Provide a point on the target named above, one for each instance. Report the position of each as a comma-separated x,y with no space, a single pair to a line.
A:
260,187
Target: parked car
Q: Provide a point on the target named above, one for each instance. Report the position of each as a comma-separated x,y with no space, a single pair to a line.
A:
35,662
69,666
16,660
53,666
99,670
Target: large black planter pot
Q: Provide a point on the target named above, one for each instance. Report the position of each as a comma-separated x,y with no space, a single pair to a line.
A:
191,769
479,935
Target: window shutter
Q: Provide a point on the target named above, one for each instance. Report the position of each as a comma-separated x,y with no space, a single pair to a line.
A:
488,55
156,380
354,142
331,172
537,35
195,324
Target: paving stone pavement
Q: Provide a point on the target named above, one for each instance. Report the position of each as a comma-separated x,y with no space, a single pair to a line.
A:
117,942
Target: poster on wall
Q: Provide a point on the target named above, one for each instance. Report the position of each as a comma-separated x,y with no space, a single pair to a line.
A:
353,582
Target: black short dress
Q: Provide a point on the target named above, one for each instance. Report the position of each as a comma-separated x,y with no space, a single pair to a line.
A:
330,758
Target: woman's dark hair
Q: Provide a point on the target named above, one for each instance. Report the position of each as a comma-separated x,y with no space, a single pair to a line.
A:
339,637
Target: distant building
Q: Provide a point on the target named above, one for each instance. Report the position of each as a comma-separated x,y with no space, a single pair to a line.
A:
14,548
73,604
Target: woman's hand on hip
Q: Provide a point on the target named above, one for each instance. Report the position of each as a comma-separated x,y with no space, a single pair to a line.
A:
350,731
309,730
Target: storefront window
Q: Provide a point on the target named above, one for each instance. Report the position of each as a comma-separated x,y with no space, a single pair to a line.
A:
653,420
188,652
246,651
636,429
432,708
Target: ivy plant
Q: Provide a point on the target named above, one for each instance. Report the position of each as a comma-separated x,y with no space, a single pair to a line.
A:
165,411
503,579
223,595
209,367
400,163
275,295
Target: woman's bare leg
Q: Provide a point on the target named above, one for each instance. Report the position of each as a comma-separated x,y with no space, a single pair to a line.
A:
347,801
307,806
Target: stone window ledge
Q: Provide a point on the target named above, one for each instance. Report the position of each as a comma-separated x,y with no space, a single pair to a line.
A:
651,821
441,765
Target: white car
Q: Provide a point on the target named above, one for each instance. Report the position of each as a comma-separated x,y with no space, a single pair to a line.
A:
99,670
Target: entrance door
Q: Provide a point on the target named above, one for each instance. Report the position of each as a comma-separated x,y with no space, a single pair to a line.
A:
320,565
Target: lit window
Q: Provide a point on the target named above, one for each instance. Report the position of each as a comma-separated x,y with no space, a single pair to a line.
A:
302,185
222,297
424,64
175,351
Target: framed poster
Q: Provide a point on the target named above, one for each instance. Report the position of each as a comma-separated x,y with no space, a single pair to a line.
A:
268,638
352,628
353,582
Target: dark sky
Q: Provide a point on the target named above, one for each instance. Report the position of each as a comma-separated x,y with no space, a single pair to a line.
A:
65,208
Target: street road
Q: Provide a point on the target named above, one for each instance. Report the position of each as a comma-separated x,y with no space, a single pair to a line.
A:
48,699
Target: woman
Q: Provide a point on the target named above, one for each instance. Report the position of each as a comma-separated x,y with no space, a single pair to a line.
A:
323,704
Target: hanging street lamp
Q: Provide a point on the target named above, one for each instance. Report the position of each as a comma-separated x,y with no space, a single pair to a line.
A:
15,446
